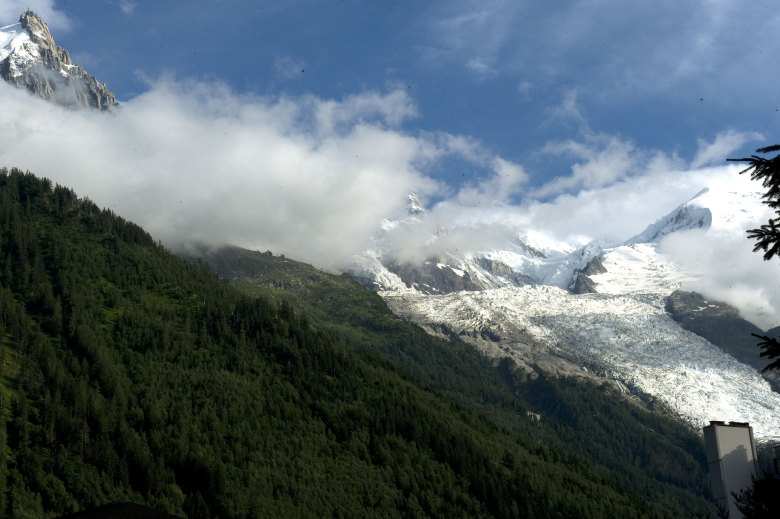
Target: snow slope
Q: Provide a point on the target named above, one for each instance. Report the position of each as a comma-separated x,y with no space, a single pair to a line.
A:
18,48
622,333
627,338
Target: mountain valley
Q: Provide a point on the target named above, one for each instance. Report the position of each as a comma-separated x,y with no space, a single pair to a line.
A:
129,374
458,366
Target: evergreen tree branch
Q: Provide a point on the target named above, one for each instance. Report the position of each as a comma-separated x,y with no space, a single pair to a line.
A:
771,349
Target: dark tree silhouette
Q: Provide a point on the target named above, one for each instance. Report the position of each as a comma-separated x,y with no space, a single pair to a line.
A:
768,172
767,237
761,500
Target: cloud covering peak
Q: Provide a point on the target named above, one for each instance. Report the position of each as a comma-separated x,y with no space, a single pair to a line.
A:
195,161
316,178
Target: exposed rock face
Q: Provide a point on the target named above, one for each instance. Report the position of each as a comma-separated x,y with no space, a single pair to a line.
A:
594,266
723,326
583,285
503,270
32,60
432,277
582,282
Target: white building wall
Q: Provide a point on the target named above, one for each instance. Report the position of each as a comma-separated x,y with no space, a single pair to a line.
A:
731,456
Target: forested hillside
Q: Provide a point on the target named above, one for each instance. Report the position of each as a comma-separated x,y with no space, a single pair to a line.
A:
647,452
127,373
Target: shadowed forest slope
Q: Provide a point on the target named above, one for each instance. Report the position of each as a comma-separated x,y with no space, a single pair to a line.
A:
647,452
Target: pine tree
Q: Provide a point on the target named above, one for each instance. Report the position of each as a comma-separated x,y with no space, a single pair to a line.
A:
767,237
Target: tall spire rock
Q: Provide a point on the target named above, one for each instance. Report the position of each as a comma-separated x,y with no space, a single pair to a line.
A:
29,58
415,207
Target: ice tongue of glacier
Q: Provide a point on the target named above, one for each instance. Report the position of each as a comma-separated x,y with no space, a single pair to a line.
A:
621,333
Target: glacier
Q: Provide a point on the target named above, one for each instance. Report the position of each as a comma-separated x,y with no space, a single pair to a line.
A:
520,306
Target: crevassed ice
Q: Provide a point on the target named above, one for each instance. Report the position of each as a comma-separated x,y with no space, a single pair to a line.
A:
623,332
627,338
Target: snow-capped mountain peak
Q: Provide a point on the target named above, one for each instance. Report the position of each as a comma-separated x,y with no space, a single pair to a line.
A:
511,299
690,215
415,205
30,59
725,207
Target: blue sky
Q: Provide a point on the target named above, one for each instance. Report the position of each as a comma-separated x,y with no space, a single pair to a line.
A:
516,76
471,104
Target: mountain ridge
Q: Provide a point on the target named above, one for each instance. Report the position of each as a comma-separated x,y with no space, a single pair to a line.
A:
30,59
612,324
530,313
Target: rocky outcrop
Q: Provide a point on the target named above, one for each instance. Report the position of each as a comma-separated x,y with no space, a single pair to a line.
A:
594,266
502,270
723,326
582,283
432,277
36,63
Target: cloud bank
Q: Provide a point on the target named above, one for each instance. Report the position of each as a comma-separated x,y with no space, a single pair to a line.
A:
308,177
721,258
315,178
729,271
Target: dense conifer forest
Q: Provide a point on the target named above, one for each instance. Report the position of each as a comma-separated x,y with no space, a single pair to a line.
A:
128,373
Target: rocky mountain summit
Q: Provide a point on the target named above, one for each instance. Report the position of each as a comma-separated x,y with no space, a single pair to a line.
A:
30,59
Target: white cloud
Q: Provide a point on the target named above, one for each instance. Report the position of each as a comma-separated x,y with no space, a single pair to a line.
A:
481,69
128,6
568,111
390,109
609,49
729,271
473,36
498,189
524,89
724,144
615,212
601,160
609,214
307,177
10,10
314,179
463,146
476,28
